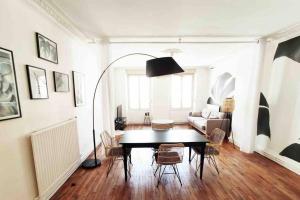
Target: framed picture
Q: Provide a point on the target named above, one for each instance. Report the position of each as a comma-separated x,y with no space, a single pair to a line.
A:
37,81
47,49
9,97
79,88
61,82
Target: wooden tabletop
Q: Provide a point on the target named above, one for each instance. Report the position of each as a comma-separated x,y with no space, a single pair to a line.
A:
185,136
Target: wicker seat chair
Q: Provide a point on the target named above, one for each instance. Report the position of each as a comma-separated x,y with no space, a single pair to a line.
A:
212,149
113,150
169,155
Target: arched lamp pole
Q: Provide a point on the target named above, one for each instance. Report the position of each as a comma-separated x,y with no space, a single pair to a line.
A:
154,67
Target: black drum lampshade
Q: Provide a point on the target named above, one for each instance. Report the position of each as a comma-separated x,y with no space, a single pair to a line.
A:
162,66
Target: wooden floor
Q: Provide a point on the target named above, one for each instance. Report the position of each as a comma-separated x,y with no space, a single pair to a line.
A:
243,176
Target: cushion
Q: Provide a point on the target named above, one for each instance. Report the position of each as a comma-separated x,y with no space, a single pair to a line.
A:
211,107
214,115
192,119
195,114
221,115
200,123
205,113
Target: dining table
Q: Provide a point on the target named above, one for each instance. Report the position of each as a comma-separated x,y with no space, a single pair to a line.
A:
154,138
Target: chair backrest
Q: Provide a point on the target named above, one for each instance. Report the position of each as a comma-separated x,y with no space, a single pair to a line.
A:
106,139
170,154
217,136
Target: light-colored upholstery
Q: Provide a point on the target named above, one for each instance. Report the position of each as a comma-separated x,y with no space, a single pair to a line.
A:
207,125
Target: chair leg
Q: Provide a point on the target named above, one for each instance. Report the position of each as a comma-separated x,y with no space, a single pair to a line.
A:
161,174
130,159
177,173
193,156
156,170
197,166
215,163
153,158
129,167
110,165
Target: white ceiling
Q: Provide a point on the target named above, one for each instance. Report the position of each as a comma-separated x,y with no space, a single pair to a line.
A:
193,55
132,18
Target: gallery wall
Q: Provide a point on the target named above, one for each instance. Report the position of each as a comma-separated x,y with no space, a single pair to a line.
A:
19,20
278,130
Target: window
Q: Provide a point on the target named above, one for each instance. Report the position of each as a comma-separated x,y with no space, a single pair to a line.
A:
138,92
181,91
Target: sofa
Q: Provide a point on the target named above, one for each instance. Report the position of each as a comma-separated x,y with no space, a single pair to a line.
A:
207,120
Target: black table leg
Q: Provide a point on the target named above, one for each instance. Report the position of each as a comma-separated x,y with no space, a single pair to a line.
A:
125,162
202,147
190,153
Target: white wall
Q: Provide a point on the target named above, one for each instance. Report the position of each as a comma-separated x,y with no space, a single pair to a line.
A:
201,88
19,20
243,65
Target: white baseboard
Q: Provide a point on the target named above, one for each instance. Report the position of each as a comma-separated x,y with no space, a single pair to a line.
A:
236,143
281,160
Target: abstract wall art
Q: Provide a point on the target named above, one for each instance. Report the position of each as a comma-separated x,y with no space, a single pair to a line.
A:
47,49
37,81
79,88
61,82
223,88
289,49
278,127
9,97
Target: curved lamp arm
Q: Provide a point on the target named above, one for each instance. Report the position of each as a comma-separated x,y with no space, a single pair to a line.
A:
95,91
91,163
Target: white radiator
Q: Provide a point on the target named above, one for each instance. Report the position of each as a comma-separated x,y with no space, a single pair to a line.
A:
56,156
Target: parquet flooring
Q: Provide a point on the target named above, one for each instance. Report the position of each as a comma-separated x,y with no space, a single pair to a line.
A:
242,176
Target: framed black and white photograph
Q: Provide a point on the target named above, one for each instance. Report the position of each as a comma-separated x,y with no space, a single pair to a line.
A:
79,88
9,97
47,49
61,82
37,81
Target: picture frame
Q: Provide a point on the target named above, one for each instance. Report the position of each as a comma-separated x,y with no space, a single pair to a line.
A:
9,96
37,81
46,48
79,88
61,82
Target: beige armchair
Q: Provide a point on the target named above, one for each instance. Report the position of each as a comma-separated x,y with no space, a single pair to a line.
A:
169,155
212,148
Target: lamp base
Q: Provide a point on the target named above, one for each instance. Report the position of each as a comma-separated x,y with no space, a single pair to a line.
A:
90,163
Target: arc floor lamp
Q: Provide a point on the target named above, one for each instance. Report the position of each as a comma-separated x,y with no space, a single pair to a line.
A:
154,67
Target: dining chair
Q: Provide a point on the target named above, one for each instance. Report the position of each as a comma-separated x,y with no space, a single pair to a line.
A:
155,150
169,155
113,151
212,149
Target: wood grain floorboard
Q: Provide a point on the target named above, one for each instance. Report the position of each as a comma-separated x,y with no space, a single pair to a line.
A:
242,177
